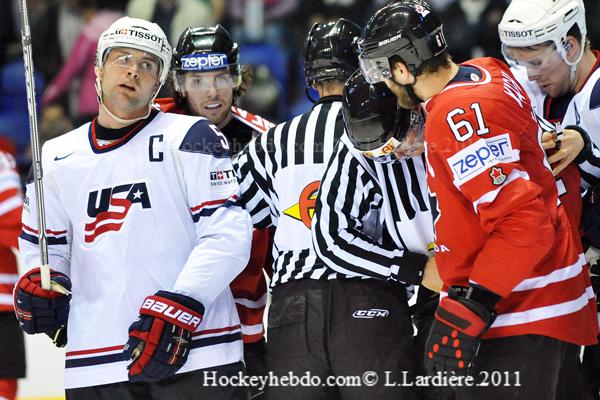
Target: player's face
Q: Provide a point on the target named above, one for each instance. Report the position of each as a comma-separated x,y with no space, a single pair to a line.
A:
129,79
209,94
544,65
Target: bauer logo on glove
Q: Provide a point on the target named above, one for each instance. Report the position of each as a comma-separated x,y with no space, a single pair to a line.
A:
161,338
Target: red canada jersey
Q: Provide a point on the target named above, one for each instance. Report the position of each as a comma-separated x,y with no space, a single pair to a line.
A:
498,224
11,203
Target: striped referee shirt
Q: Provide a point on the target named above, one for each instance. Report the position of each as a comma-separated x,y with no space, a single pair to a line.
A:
279,174
373,220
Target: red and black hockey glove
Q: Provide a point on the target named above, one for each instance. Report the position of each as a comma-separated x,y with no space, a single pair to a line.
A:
161,338
460,320
43,311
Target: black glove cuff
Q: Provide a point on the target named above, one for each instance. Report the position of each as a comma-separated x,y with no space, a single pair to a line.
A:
412,266
183,300
586,152
476,294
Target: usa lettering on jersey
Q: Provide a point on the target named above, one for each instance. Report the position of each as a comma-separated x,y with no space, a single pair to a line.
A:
109,207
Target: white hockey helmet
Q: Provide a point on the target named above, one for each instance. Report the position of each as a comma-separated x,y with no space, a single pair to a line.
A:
139,34
532,22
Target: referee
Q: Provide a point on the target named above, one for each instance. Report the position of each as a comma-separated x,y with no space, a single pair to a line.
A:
279,174
373,224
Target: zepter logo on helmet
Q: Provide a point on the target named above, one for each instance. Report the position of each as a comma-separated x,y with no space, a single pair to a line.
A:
533,22
135,33
376,126
408,29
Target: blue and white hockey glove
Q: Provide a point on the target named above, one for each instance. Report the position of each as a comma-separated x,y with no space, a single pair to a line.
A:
460,320
43,311
160,340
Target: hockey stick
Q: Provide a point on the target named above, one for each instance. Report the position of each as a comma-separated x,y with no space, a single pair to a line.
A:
35,150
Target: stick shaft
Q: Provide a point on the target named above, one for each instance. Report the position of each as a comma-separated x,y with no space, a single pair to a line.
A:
35,145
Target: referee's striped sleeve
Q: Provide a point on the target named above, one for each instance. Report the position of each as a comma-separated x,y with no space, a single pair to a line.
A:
347,195
251,173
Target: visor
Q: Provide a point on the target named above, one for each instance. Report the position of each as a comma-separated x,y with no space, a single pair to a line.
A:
147,66
375,69
193,82
371,130
537,63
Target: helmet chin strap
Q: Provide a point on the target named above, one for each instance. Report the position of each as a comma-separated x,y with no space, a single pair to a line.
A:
572,64
410,90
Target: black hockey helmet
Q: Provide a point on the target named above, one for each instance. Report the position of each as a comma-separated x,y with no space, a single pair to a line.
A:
206,49
328,52
408,29
375,124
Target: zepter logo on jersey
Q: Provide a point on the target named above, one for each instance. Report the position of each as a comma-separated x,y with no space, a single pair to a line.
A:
109,207
304,210
480,156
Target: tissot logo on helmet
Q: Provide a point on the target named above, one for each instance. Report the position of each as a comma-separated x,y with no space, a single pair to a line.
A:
517,34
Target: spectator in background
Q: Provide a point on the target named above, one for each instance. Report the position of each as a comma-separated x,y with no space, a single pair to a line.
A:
328,10
174,16
266,21
473,32
592,12
81,60
14,117
55,26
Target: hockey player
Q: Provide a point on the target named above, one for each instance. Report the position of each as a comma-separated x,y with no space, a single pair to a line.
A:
140,238
517,297
208,79
559,71
373,225
12,350
280,174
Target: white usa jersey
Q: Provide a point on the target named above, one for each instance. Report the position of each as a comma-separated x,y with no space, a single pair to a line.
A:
154,210
583,109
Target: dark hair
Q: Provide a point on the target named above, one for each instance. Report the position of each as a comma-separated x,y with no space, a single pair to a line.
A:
432,65
576,33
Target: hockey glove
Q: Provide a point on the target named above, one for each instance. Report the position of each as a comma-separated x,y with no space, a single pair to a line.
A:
590,220
43,311
161,338
460,320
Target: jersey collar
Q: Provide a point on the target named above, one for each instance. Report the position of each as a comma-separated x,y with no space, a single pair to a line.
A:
120,135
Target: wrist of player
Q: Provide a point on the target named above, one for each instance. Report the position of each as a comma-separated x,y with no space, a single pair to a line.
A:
460,320
586,151
160,340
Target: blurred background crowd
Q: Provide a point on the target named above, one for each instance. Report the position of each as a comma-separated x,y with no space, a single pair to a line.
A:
270,33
